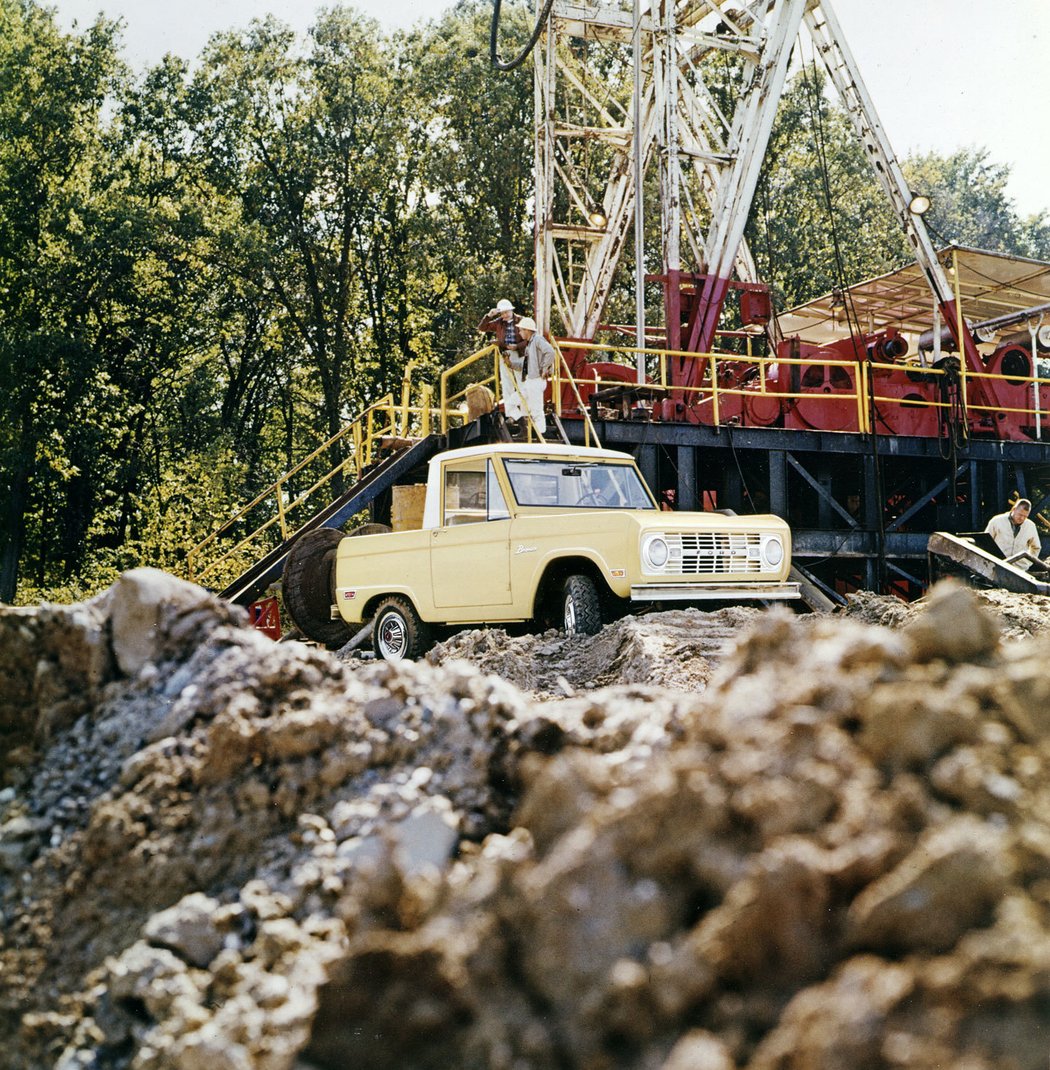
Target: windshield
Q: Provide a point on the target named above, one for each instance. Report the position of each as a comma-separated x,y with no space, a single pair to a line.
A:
572,484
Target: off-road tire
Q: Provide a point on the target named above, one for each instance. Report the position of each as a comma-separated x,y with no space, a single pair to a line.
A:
308,587
369,529
398,634
581,606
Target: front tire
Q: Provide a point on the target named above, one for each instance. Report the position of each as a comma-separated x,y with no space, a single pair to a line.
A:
308,587
398,633
581,606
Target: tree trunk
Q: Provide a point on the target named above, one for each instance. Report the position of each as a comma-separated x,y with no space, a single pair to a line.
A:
11,551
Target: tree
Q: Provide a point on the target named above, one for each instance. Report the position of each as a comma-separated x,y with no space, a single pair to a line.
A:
310,149
478,166
52,87
970,204
819,218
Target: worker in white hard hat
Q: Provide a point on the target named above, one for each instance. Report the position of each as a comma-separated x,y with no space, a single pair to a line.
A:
1014,533
539,364
504,323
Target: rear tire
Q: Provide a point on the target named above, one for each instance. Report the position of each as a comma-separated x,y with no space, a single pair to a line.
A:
369,529
308,587
581,606
398,633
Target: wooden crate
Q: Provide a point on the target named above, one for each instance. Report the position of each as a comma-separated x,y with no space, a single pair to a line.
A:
406,511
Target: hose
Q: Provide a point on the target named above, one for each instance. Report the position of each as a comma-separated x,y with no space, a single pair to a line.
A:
523,55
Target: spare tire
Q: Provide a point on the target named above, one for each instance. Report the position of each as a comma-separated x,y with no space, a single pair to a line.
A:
308,586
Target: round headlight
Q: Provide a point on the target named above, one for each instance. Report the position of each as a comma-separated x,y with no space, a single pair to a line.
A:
656,552
772,551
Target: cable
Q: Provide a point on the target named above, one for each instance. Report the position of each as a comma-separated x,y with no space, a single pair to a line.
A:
739,468
523,55
851,318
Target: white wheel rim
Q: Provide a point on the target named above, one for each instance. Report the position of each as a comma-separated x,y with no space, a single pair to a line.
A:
393,637
570,615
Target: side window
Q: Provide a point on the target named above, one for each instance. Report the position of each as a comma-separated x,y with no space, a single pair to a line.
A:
497,503
464,496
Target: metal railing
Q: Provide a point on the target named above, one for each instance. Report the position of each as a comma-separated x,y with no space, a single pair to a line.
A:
279,511
282,504
709,398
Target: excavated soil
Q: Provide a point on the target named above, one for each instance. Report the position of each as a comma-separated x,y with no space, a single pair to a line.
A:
738,840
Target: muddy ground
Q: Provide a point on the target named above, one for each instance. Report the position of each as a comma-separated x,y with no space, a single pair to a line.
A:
716,841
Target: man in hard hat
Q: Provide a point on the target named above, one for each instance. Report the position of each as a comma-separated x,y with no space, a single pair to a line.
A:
505,325
539,364
1014,533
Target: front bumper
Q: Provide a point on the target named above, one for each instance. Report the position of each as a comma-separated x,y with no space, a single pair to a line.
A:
695,592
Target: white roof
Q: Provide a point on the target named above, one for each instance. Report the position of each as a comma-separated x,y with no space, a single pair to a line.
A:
990,285
531,449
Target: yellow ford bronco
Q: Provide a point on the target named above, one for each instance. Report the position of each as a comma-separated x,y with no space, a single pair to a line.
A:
551,535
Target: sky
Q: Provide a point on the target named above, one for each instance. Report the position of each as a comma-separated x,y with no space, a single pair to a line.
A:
942,74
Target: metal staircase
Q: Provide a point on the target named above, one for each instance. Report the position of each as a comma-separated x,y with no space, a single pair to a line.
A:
252,583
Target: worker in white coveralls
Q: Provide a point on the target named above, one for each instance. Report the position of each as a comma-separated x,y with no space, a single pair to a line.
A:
1014,533
539,364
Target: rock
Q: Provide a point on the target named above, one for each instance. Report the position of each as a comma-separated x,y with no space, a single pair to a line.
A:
735,839
188,929
699,1050
949,883
425,840
954,627
144,605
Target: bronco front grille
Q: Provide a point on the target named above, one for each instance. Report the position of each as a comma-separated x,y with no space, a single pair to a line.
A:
711,553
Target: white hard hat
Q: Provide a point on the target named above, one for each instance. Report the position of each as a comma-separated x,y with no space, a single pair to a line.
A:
526,323
503,305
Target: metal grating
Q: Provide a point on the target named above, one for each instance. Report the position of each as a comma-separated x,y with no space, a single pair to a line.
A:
710,553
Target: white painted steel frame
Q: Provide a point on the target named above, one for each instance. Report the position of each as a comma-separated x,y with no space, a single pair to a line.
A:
699,148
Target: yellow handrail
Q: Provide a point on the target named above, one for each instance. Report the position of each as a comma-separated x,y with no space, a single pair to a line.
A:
446,376
385,417
588,428
362,449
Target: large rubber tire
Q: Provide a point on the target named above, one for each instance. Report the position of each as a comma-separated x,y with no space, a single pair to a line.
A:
308,586
398,634
581,606
369,529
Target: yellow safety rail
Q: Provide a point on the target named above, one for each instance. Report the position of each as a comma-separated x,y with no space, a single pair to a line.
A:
710,393
278,512
454,403
386,419
381,422
563,374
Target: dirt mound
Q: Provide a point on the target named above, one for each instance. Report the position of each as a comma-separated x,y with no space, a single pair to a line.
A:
220,853
673,649
1019,615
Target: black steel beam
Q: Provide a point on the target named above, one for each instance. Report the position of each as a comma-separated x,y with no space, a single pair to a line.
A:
922,502
686,491
822,491
811,542
617,433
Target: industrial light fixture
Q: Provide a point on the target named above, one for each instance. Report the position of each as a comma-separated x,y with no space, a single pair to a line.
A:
597,218
919,204
838,298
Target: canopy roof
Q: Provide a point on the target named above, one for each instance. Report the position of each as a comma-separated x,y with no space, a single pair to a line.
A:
990,285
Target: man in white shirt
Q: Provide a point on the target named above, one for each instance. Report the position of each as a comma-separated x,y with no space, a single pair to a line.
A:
1014,533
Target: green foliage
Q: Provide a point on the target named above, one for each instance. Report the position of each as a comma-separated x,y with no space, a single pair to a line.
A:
970,204
819,219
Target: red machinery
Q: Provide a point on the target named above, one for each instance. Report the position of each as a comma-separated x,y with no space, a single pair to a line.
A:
819,387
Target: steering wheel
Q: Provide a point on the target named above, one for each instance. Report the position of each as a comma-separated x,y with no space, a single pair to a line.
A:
592,497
